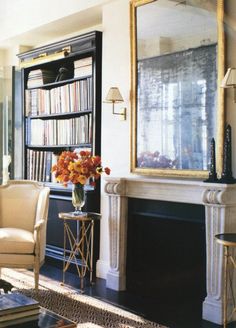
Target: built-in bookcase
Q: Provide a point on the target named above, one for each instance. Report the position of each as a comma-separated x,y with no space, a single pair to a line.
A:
61,102
62,111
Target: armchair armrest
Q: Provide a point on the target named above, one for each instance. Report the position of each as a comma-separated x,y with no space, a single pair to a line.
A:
38,235
39,224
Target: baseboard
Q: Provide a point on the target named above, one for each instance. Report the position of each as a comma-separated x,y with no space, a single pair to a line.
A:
102,268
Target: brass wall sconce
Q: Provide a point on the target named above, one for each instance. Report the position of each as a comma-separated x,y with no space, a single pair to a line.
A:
114,96
229,80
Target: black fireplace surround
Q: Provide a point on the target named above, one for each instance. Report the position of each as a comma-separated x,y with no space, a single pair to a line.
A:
166,249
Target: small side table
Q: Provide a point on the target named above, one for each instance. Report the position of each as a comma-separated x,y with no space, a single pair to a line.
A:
80,250
227,240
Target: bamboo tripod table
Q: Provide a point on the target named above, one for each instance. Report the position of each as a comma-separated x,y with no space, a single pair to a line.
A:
78,246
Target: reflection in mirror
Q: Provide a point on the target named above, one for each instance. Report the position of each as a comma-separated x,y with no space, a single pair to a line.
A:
176,70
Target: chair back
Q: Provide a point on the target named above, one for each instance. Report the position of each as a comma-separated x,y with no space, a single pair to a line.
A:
22,203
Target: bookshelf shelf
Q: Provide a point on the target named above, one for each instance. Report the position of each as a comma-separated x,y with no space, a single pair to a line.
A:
59,115
59,147
62,111
59,83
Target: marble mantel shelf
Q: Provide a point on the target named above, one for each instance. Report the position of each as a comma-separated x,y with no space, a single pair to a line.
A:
220,216
176,190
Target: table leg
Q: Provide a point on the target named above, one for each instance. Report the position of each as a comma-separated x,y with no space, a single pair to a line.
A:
91,251
82,252
226,251
64,255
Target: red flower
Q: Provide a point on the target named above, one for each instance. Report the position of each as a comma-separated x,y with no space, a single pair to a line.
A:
107,170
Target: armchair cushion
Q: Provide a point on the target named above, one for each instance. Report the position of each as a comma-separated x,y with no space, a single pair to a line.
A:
16,241
17,261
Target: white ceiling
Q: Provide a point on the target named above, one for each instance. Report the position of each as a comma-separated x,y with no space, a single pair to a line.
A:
57,29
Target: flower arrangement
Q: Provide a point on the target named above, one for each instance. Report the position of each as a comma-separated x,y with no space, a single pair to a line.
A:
155,159
78,168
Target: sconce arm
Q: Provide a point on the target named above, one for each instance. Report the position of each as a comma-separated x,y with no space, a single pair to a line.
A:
122,112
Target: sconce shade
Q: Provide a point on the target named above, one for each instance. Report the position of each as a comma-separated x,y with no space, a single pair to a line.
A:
229,80
114,95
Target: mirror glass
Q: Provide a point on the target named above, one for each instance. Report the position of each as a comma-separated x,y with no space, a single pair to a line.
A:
176,68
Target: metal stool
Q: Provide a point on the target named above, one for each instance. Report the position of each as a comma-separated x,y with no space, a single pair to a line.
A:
227,240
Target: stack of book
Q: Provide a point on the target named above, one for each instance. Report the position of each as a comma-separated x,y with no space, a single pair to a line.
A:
83,67
40,77
15,308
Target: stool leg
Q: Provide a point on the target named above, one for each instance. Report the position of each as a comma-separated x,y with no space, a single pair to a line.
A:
226,251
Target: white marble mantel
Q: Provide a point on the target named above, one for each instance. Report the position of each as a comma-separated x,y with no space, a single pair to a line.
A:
220,216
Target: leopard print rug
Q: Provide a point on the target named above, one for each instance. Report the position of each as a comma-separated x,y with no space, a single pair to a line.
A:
86,311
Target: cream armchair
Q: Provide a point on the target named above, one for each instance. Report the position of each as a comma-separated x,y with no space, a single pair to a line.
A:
23,221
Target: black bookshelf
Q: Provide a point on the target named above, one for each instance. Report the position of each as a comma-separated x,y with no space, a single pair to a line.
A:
37,111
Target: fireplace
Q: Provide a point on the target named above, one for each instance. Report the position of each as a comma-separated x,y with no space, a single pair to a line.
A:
166,249
219,202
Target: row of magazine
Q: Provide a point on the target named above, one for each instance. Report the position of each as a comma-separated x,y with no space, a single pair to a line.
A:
69,98
54,132
40,164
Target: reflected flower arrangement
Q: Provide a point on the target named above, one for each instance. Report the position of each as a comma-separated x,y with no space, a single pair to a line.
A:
155,160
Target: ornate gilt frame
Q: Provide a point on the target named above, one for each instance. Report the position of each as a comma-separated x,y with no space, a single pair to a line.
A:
220,99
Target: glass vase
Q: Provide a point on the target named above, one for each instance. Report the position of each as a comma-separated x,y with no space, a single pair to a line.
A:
78,197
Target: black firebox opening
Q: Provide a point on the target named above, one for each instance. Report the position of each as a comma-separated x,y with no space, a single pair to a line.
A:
166,249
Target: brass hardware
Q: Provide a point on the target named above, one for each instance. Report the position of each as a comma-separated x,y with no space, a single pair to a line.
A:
44,58
67,49
41,55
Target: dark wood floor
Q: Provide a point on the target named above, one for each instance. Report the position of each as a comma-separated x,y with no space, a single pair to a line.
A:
173,313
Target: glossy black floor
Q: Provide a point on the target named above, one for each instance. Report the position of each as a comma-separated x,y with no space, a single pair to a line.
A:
163,310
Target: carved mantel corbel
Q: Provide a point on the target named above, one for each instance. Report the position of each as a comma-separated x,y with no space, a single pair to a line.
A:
220,211
213,196
115,189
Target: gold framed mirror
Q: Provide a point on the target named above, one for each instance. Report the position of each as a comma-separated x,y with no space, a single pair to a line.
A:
177,65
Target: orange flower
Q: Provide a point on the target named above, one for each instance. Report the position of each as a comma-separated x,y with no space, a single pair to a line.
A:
82,179
84,170
78,168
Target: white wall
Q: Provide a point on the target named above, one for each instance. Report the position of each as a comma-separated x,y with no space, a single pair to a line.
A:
115,133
